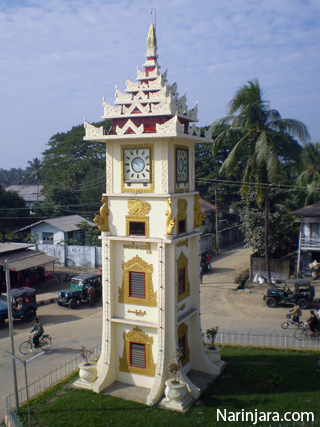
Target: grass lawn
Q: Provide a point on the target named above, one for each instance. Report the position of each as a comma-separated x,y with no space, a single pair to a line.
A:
255,379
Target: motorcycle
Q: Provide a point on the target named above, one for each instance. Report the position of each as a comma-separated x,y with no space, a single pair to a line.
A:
290,321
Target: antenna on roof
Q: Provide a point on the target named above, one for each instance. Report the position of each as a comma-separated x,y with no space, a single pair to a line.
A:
155,17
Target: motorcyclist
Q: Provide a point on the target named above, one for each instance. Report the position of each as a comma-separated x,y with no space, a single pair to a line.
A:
296,312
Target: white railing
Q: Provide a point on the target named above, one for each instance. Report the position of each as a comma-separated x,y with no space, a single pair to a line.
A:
307,242
266,340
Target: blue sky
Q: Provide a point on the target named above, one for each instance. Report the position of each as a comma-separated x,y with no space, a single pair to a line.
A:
60,57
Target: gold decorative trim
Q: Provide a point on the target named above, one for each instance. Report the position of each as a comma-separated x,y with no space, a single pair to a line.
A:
170,222
182,243
133,188
183,332
102,219
198,215
138,337
137,265
137,211
179,187
137,312
138,246
182,206
182,262
182,307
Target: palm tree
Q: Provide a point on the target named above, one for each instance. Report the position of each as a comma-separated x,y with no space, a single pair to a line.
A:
310,173
255,125
33,172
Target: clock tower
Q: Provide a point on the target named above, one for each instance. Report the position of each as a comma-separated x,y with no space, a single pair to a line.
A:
149,224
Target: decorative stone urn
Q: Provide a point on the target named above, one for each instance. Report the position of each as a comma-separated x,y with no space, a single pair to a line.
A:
88,371
175,390
88,375
176,396
214,354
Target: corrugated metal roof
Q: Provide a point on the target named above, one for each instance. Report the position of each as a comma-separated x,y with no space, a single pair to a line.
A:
24,259
311,210
67,223
30,193
9,247
63,223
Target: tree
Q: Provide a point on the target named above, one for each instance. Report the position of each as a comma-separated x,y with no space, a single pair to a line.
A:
33,171
254,126
309,177
283,232
13,213
66,163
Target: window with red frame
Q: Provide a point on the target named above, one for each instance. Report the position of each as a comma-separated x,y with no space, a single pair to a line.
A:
136,285
181,281
137,355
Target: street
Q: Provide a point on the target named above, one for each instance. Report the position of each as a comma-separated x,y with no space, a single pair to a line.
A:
221,305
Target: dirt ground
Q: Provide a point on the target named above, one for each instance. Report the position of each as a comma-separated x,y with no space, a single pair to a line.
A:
239,310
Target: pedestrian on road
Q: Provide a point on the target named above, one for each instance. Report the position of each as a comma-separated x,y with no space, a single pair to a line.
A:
91,292
38,331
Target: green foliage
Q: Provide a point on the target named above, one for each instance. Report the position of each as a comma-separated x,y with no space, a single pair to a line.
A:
13,213
12,177
309,178
208,167
66,164
92,187
242,276
262,379
68,242
299,384
211,335
91,234
32,238
283,232
34,171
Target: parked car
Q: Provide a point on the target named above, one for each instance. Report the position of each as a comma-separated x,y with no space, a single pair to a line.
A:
295,290
78,290
24,305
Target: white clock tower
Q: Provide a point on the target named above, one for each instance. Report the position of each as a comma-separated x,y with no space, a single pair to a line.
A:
150,221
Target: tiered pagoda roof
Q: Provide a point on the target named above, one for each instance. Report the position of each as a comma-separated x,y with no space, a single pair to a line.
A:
150,105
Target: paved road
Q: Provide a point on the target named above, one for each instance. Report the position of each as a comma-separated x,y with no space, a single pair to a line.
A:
70,329
221,305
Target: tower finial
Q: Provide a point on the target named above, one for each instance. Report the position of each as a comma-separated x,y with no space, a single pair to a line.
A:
151,40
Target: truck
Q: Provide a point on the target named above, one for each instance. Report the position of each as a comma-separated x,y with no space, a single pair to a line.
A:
78,290
24,305
297,291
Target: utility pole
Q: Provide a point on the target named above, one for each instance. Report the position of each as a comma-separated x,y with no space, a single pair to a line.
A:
217,223
9,304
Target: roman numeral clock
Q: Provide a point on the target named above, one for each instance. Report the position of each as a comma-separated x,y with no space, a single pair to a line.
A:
150,234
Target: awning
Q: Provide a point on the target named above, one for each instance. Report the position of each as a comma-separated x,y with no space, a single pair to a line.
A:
22,260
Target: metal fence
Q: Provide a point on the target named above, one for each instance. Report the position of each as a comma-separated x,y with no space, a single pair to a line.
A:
42,384
266,340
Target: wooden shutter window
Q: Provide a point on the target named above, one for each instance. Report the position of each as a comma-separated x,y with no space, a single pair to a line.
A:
137,355
137,285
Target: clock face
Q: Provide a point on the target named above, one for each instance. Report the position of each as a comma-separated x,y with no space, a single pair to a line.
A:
136,164
182,165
